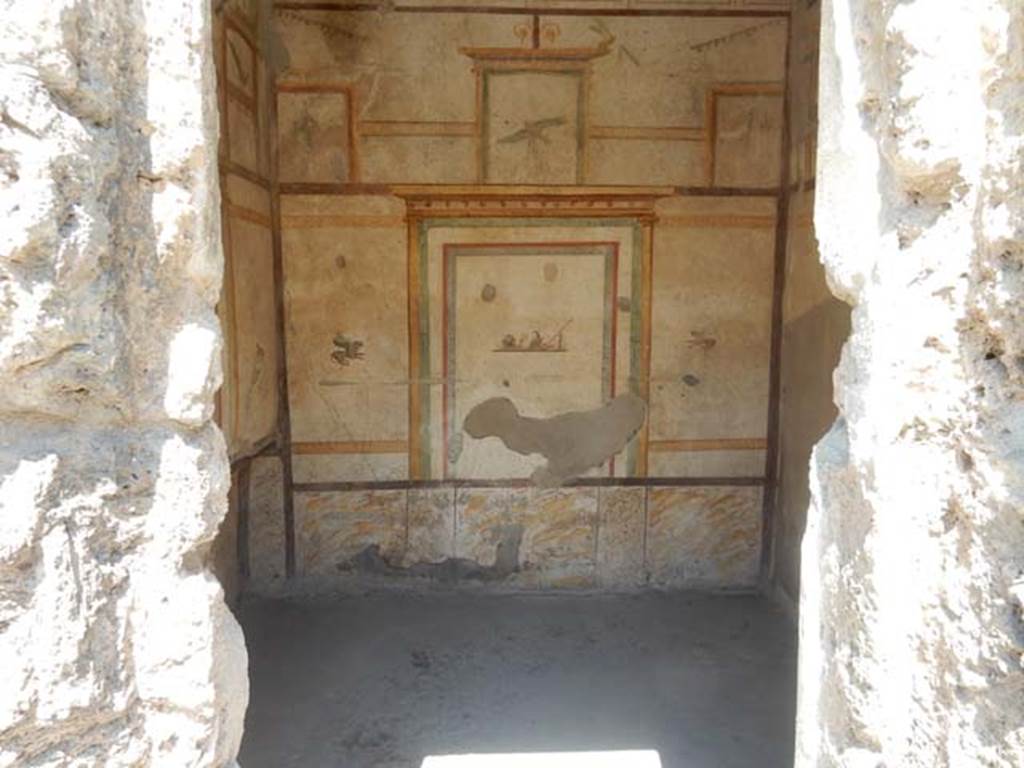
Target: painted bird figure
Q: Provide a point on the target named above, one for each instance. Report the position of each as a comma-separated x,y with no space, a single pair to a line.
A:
533,131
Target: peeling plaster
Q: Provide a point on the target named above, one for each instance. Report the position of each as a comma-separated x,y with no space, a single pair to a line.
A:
572,442
451,569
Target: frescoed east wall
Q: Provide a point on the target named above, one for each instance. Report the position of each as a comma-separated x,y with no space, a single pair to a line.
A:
555,207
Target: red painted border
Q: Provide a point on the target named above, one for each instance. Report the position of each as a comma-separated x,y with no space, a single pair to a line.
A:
610,298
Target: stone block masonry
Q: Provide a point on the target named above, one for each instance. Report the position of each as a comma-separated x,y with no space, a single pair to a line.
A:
115,643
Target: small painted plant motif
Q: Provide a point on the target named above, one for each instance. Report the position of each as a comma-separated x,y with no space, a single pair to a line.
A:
550,31
346,350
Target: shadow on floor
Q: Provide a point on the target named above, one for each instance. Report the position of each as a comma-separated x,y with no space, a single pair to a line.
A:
384,681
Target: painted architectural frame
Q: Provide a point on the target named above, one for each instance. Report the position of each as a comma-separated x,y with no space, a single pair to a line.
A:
476,208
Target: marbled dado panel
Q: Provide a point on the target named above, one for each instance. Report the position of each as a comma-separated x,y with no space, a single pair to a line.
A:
332,528
528,538
410,528
266,525
431,525
553,533
559,536
484,519
620,542
704,537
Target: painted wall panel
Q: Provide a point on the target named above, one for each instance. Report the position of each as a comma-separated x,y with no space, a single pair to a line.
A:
254,333
713,263
346,306
504,98
314,136
247,402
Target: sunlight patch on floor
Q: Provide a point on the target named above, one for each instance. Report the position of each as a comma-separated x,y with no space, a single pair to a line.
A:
615,759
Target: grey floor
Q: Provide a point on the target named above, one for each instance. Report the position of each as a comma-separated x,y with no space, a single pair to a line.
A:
384,681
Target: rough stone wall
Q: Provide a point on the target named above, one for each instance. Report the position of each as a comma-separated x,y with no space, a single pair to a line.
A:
912,585
115,643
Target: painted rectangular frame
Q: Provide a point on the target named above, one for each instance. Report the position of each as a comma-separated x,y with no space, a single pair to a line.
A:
343,89
486,73
451,251
419,320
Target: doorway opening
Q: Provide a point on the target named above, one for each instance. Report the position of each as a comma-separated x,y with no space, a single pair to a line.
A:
527,348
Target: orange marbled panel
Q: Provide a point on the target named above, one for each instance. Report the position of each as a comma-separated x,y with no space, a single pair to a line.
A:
706,537
431,529
559,536
483,518
266,524
332,528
